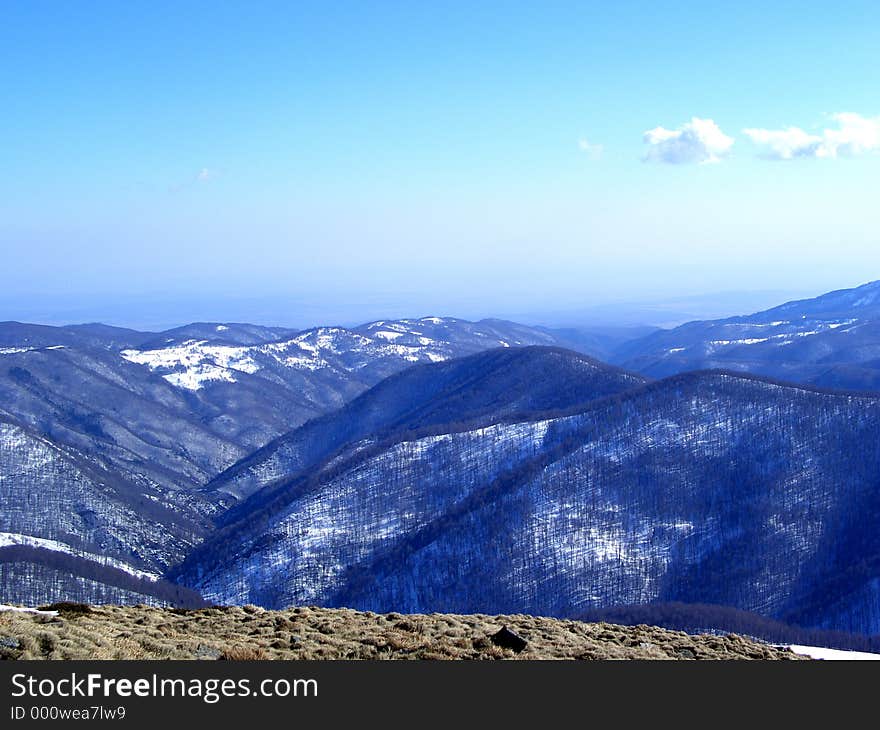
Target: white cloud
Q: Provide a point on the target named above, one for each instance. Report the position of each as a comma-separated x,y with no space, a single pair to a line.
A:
697,141
785,144
594,151
857,135
854,136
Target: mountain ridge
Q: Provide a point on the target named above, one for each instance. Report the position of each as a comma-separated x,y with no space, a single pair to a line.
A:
466,388
832,340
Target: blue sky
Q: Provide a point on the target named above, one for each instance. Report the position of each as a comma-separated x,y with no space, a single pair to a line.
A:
464,158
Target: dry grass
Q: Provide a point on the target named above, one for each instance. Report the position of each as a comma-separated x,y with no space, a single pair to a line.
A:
248,632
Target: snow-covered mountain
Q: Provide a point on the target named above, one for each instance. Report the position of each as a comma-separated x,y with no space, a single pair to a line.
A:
70,526
107,435
703,488
184,409
831,341
360,353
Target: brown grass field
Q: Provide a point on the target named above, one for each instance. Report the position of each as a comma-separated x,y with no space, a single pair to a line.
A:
248,632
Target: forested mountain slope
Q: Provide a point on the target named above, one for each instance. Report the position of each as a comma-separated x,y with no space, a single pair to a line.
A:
484,387
830,341
71,524
705,487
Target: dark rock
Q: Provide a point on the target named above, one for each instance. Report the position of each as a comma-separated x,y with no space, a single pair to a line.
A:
67,608
508,639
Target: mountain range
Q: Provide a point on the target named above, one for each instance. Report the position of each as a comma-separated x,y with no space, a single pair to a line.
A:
436,464
831,341
108,435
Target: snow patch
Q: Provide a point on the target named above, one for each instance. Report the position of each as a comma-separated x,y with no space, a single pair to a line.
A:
820,652
8,539
23,609
747,341
195,363
390,336
17,350
196,378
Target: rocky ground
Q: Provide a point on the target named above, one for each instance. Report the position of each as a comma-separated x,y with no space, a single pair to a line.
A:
75,631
